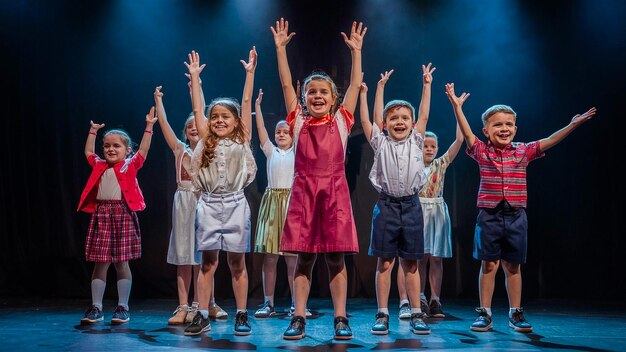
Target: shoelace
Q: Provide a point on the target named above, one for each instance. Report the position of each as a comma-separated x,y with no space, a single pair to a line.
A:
178,309
242,319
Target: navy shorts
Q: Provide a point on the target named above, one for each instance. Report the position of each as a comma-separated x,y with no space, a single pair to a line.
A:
397,228
501,233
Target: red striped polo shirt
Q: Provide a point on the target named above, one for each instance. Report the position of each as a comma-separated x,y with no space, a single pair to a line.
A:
503,172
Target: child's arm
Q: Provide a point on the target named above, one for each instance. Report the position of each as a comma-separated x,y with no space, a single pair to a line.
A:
246,99
424,108
144,146
558,136
379,99
457,105
168,132
365,115
201,91
90,145
454,148
281,39
260,125
197,99
355,43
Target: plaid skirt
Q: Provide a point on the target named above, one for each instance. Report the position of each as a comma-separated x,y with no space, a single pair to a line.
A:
114,234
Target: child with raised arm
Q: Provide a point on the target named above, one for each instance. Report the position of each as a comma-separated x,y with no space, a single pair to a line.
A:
269,230
182,250
501,226
398,174
319,216
113,197
437,227
222,166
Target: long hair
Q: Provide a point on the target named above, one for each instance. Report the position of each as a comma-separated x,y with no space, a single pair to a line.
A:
320,76
211,140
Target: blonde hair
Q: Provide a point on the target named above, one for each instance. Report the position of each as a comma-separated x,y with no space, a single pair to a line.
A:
211,140
496,109
184,132
431,135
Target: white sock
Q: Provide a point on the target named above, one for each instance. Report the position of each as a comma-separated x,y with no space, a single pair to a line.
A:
242,310
416,310
488,309
422,296
383,310
403,302
434,298
97,292
204,312
123,292
270,299
512,310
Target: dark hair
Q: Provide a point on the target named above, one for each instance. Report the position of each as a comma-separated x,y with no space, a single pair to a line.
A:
125,139
319,75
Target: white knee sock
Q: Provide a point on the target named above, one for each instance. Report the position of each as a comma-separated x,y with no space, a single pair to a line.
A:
97,292
123,292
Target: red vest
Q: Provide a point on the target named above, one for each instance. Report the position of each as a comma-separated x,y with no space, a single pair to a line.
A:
126,174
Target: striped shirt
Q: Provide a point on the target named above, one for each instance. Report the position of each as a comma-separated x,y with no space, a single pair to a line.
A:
503,172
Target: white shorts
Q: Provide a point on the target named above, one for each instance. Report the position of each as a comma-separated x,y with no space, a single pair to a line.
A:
223,222
437,229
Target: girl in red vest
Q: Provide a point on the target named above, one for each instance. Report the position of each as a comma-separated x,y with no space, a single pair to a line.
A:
113,197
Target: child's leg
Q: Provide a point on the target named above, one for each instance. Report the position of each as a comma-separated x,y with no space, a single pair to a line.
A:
269,276
124,283
513,275
422,265
486,282
338,278
98,283
195,272
412,280
435,276
384,267
302,281
291,262
401,285
210,260
237,265
183,282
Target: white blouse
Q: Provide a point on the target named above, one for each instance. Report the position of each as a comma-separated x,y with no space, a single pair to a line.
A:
280,165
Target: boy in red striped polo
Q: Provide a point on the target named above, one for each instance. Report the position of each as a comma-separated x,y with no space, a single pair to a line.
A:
501,225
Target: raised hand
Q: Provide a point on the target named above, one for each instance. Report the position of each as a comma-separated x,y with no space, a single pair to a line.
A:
150,118
427,73
250,66
355,42
96,126
384,77
456,101
194,66
578,119
363,88
157,93
259,98
282,37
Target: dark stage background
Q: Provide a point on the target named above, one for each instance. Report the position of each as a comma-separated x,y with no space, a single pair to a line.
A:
66,63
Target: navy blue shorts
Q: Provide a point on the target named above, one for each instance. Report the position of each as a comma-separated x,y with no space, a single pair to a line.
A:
501,233
397,228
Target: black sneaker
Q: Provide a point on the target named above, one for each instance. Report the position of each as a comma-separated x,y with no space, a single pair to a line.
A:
424,306
92,315
434,310
342,329
483,322
381,326
518,322
242,326
120,316
198,325
418,326
295,331
266,311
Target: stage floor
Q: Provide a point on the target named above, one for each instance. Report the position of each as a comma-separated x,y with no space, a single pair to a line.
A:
557,326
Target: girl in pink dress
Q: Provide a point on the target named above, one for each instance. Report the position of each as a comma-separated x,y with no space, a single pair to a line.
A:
319,216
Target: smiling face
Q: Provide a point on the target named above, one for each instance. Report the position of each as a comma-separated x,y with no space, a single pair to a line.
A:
430,149
282,137
319,97
399,122
500,129
222,121
191,133
115,147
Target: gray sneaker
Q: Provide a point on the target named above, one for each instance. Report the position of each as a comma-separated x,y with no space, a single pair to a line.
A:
405,311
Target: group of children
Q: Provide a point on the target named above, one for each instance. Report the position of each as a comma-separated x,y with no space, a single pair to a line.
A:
306,208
